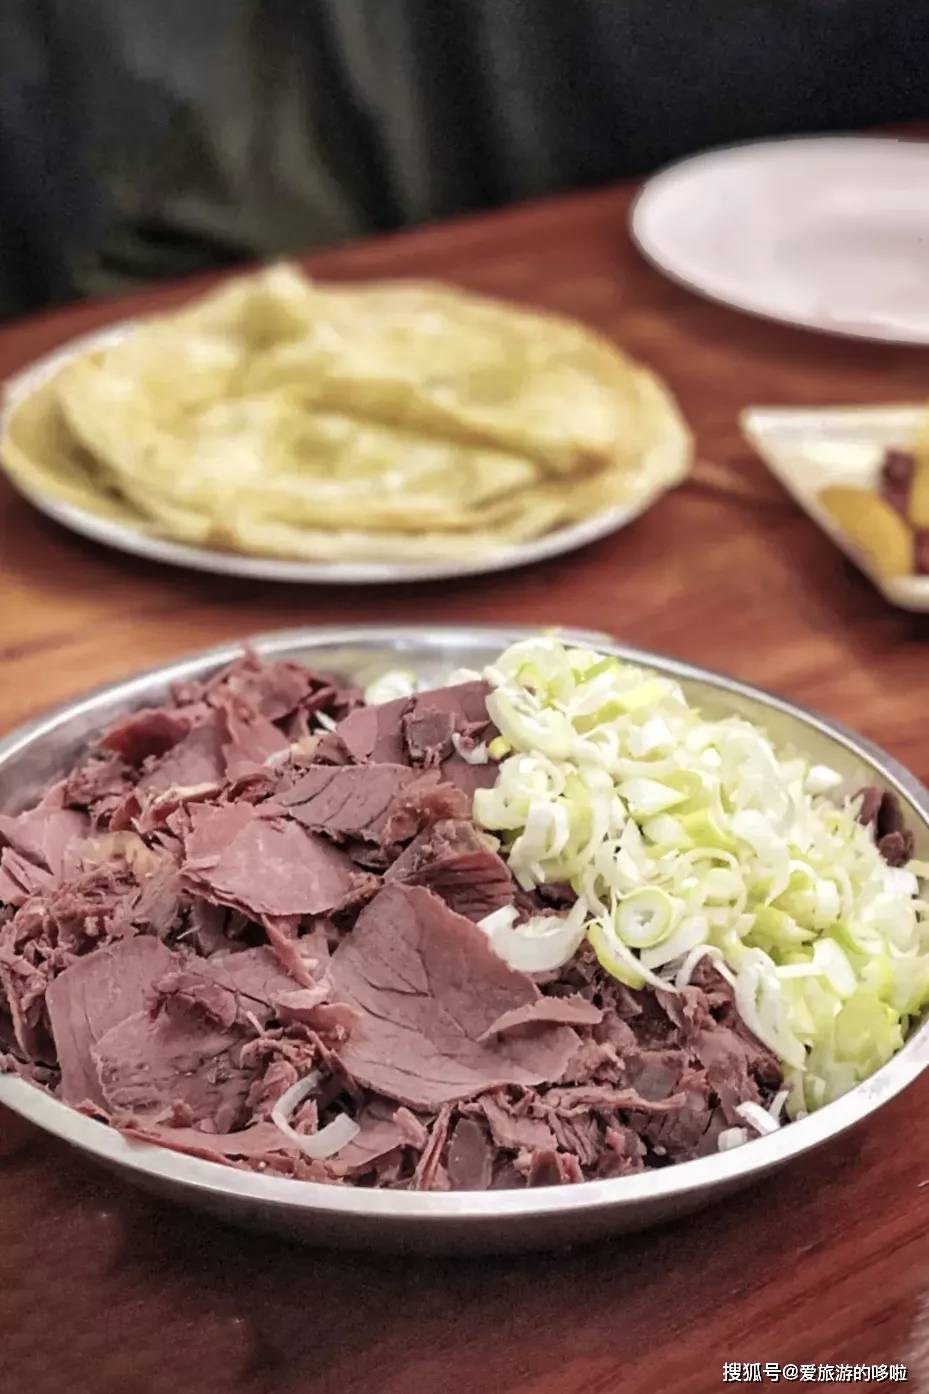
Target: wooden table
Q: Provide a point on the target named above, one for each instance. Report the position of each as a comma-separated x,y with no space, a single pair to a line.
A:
104,1291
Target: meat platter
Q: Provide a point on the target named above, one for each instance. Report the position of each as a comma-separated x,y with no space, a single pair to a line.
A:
374,1215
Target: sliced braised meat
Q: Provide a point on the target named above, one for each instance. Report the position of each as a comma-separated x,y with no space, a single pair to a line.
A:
656,1074
226,742
196,759
257,977
379,734
33,846
454,860
720,997
580,1135
566,1011
95,994
624,1152
98,785
428,799
549,1168
258,1143
880,810
252,739
511,1124
368,735
148,733
470,1161
467,777
175,1060
680,1134
230,986
430,1174
427,734
273,690
21,878
427,987
262,866
297,955
23,986
347,801
383,1130
728,1061
98,905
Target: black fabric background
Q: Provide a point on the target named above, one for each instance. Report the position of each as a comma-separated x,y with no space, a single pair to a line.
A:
144,138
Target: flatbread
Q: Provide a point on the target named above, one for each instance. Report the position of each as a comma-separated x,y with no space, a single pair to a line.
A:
393,421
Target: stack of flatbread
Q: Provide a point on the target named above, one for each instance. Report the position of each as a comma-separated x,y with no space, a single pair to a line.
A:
396,421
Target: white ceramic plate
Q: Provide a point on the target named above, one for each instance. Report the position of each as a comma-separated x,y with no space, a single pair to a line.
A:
809,449
143,544
827,233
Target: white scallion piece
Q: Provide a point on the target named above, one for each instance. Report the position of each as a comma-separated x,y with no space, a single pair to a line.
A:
540,944
730,1138
325,1143
757,1117
473,755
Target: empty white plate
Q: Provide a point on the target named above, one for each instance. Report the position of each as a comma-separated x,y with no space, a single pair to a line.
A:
828,233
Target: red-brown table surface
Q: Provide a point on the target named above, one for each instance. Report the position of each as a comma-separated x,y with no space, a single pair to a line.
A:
106,1291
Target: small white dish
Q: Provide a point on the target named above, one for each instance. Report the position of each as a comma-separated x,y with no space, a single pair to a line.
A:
828,233
666,468
811,448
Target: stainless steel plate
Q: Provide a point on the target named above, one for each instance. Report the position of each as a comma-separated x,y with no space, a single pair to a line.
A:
498,1220
140,543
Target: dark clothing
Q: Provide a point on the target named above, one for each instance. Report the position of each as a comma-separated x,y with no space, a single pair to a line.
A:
141,138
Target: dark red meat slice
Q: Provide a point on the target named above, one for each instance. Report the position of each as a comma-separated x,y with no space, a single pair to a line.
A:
425,801
880,810
468,777
252,739
566,1011
263,866
20,878
383,1130
273,690
92,996
149,1064
34,845
512,1126
427,987
378,733
347,801
453,859
196,759
470,1160
229,985
427,734
257,1143
147,733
